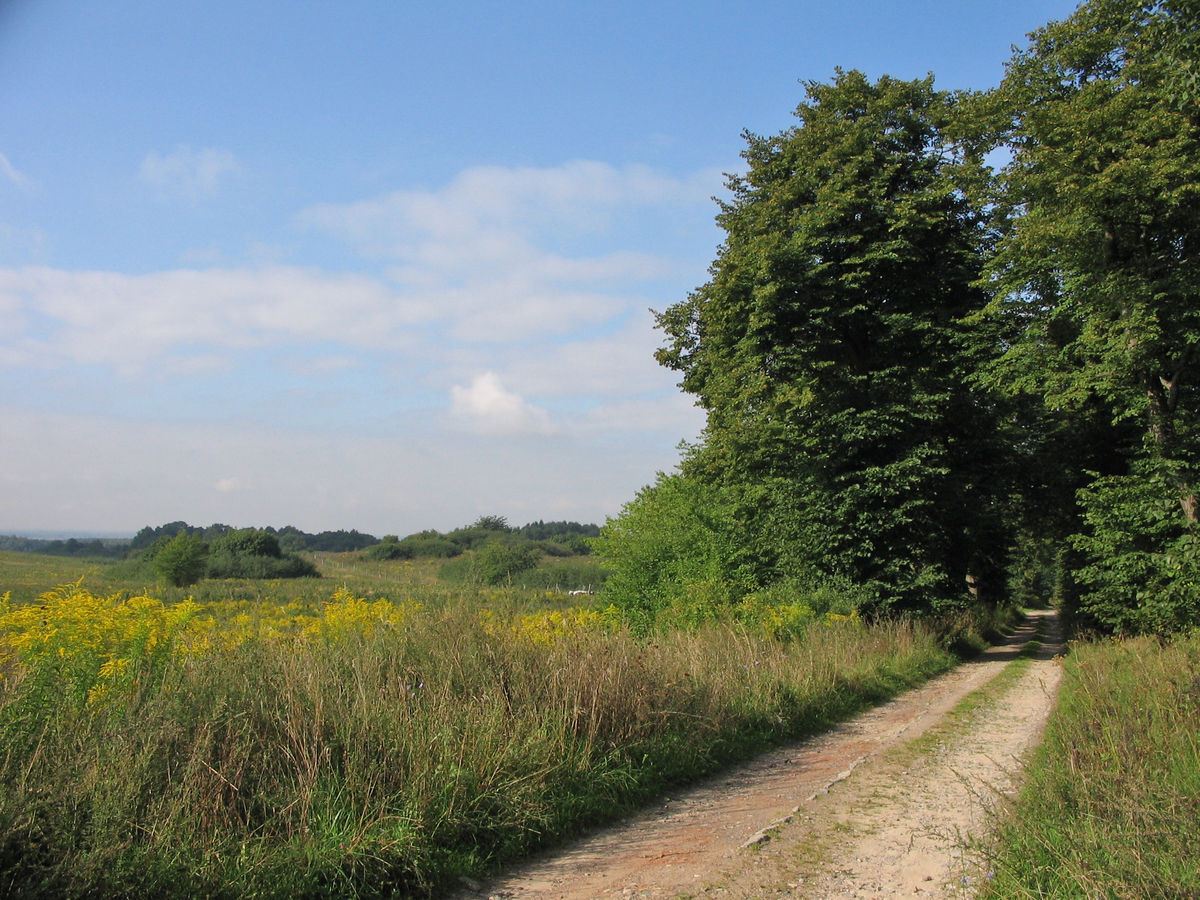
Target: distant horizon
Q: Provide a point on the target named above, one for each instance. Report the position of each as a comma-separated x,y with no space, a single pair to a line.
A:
41,535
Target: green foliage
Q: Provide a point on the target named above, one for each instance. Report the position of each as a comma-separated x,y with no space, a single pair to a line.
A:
829,353
1143,565
937,384
432,543
181,560
228,565
148,536
247,542
1096,281
290,538
558,539
492,523
672,554
326,541
390,548
498,561
94,548
254,553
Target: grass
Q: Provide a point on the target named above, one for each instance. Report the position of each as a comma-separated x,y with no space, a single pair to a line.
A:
1112,797
277,744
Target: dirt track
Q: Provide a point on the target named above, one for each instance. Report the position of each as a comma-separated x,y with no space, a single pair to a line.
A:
876,808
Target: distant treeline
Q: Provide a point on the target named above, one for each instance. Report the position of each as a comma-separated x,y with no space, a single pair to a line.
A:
291,539
108,547
569,535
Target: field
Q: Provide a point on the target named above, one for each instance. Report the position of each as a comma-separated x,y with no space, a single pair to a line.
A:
372,732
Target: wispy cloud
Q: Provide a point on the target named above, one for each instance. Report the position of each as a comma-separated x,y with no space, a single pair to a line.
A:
582,197
496,249
13,174
135,322
188,173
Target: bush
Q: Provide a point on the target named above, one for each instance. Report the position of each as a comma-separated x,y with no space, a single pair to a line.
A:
389,548
248,542
669,550
431,544
181,560
498,561
229,565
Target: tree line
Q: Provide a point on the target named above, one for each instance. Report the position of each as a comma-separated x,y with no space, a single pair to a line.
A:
291,539
949,345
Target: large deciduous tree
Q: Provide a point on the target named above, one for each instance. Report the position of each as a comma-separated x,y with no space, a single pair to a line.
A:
1097,268
829,353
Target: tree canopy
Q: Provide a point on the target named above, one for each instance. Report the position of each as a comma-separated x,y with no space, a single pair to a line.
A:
829,352
1096,269
941,382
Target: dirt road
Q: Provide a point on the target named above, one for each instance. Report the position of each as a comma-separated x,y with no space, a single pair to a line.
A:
876,808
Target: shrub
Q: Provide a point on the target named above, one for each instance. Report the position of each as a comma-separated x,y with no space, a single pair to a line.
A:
181,560
228,565
670,553
390,548
431,544
498,561
248,542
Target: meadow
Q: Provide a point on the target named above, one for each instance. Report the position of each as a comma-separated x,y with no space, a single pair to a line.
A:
375,732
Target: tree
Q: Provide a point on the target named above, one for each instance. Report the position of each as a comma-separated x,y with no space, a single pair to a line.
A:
829,353
1098,277
492,523
182,559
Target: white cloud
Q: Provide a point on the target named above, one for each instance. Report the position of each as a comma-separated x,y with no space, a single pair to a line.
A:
187,172
13,174
620,362
497,249
131,322
670,414
580,196
486,407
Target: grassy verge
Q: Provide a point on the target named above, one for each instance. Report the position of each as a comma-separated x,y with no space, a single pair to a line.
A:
373,748
1112,798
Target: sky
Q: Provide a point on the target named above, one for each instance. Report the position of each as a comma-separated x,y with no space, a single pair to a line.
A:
385,265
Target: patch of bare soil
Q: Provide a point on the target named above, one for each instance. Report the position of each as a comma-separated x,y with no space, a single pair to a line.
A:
866,810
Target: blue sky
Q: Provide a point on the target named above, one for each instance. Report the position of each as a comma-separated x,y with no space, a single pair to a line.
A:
384,265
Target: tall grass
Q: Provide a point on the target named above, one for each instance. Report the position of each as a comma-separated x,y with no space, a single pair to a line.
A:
379,749
1111,806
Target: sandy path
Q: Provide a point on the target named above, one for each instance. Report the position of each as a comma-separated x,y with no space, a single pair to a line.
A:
860,812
